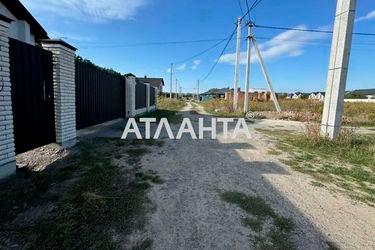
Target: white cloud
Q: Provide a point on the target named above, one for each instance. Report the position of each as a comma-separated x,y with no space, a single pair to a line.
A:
87,10
70,36
197,62
195,65
181,67
369,16
290,43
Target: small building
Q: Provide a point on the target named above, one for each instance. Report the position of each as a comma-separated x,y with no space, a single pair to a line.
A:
319,96
23,27
154,82
294,96
253,95
214,94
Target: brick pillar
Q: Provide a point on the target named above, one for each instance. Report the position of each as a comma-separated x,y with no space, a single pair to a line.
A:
7,150
64,90
130,96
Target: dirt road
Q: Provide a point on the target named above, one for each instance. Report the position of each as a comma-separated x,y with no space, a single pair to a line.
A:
192,214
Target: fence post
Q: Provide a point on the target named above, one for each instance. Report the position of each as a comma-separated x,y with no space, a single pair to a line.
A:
130,96
7,149
156,98
148,97
64,90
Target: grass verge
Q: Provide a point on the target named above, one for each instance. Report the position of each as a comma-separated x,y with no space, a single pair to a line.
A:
167,108
348,162
88,201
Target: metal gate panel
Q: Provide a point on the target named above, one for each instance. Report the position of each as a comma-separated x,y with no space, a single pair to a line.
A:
100,95
31,73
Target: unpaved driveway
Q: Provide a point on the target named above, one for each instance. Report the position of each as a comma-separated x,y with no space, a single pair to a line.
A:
190,213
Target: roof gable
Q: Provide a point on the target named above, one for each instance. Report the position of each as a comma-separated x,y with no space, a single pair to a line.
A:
154,82
21,13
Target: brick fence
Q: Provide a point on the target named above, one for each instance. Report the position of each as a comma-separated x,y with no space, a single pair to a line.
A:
7,149
64,84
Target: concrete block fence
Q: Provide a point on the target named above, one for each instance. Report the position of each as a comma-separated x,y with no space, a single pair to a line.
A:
64,83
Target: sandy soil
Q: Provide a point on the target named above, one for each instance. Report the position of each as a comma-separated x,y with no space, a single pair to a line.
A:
191,215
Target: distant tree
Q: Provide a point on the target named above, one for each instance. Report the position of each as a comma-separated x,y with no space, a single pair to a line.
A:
88,62
353,95
282,95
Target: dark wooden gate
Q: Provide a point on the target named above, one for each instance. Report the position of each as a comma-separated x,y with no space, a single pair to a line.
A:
31,73
100,95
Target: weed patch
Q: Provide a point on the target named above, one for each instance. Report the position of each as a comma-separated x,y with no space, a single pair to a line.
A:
278,236
355,114
347,163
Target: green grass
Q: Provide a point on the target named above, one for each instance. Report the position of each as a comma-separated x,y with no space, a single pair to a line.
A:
171,115
167,108
348,162
273,151
278,236
170,104
99,200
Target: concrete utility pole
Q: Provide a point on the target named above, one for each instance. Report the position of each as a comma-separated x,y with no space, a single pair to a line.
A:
171,69
247,84
338,68
266,75
176,88
237,67
198,98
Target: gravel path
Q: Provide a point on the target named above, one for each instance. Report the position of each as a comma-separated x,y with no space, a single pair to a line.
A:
191,215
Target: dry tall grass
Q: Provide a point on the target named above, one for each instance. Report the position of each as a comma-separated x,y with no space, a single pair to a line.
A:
355,114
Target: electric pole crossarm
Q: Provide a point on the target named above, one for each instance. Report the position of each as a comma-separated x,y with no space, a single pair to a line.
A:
266,75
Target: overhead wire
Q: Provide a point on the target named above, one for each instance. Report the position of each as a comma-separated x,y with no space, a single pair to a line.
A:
253,6
308,30
218,59
201,53
155,43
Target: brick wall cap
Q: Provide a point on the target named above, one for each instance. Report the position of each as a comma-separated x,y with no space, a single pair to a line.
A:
58,41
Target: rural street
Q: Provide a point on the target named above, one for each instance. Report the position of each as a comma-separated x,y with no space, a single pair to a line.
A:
191,215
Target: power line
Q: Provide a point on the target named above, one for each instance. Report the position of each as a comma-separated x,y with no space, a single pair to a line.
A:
221,54
248,8
253,6
201,53
308,30
239,4
155,43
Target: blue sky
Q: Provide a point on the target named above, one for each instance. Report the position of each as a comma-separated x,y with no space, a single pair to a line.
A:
105,32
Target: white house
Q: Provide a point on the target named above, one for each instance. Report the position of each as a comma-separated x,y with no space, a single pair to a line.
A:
23,27
317,96
294,96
